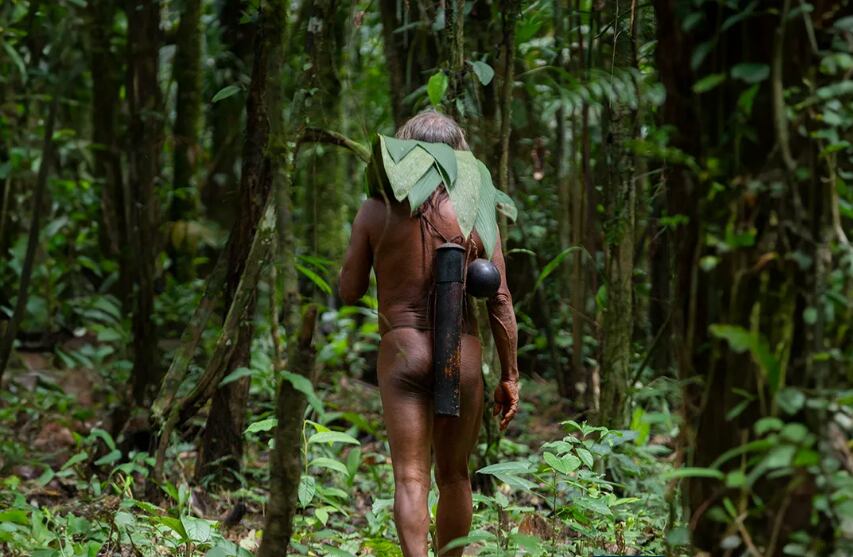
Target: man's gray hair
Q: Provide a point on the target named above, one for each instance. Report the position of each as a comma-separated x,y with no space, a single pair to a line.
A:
434,127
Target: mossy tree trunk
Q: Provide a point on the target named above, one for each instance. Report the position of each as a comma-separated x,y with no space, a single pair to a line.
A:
221,185
221,446
620,124
323,195
185,133
145,138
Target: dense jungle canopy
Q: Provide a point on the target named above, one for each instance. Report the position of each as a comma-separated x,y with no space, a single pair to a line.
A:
178,178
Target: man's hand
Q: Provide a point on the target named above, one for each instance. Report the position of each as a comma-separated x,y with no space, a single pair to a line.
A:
506,401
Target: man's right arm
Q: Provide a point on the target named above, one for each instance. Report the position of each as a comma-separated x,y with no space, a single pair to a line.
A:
355,272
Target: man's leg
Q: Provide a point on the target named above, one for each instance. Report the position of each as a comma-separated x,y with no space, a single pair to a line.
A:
404,365
453,440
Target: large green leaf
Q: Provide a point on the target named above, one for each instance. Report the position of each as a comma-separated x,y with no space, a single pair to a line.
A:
445,159
424,188
405,175
485,224
398,148
505,205
465,193
436,87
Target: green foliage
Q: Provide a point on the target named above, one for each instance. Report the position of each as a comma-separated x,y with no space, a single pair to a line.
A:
415,169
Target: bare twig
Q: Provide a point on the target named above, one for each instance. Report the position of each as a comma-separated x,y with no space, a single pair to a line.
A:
33,239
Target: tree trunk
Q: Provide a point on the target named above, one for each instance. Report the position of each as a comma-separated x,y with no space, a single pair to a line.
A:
221,446
509,15
323,198
144,145
221,185
187,76
286,461
620,207
106,84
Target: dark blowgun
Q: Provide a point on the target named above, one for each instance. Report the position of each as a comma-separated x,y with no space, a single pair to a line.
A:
447,330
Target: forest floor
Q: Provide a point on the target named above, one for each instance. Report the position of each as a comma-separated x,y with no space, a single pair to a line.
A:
70,487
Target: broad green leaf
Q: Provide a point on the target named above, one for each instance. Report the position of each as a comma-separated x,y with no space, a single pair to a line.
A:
198,530
708,82
445,160
594,505
436,87
306,491
781,456
485,223
424,188
304,386
790,400
485,73
405,175
330,464
515,467
795,432
262,425
225,92
750,72
322,515
336,552
765,425
398,148
739,339
15,516
565,464
505,205
465,193
333,437
173,523
585,456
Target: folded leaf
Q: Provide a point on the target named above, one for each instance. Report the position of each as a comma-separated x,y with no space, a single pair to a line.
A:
424,188
398,148
445,158
404,176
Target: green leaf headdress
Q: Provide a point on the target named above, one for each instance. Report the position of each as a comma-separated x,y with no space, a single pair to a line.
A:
414,169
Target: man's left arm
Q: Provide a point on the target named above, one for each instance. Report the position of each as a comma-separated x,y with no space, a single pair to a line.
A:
505,333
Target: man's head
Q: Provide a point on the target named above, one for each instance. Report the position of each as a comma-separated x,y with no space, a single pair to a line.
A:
434,127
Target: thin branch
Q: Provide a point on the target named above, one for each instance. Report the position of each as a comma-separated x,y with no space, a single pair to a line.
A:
320,135
33,239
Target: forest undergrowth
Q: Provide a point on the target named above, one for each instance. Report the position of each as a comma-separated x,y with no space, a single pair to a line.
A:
545,488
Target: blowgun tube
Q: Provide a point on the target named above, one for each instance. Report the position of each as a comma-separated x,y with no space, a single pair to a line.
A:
447,329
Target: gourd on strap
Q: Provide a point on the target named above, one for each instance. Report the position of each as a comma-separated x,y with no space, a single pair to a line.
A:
413,170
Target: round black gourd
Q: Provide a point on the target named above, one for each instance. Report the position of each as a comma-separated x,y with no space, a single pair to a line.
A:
482,279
